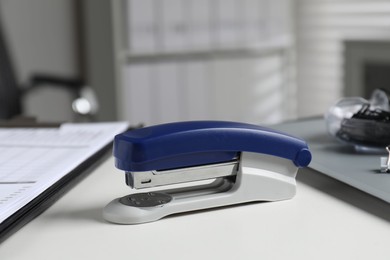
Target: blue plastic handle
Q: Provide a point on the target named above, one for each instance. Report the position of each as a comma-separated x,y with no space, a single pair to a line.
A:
184,144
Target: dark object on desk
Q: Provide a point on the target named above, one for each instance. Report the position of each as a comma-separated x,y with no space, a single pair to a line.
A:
366,127
23,121
364,124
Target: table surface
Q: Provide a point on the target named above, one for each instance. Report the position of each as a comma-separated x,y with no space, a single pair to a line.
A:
340,160
327,219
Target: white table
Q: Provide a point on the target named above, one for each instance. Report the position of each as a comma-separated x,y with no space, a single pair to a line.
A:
325,220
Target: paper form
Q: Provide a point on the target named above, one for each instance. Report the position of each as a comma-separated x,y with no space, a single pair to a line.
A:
31,160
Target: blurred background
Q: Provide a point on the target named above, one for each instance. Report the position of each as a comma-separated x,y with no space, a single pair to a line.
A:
155,61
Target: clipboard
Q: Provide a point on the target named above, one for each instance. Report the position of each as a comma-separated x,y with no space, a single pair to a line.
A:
55,188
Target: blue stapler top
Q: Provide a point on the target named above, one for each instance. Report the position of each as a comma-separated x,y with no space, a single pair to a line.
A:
183,144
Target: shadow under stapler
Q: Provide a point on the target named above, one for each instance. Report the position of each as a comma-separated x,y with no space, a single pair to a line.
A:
87,214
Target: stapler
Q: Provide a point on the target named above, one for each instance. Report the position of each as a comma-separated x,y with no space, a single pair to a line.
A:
242,163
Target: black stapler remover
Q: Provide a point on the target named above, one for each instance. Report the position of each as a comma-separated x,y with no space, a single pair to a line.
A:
243,162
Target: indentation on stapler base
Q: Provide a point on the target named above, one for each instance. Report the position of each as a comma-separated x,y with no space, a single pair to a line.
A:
147,199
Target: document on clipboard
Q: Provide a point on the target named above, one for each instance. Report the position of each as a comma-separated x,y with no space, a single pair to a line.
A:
33,160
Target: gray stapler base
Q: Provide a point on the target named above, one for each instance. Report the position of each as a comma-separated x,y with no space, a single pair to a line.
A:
260,177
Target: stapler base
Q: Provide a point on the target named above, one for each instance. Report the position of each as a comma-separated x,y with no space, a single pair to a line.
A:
260,177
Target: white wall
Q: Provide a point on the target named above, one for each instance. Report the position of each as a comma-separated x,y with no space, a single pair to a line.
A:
322,26
255,90
236,64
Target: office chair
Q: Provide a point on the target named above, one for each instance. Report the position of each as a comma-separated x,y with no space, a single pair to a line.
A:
11,94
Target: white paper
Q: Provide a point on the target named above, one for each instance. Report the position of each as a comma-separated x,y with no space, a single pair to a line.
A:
32,159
